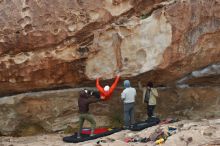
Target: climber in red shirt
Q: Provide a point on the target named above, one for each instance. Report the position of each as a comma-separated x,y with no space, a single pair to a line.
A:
107,91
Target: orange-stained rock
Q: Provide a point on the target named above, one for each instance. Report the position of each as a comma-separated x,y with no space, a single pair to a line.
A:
53,44
50,44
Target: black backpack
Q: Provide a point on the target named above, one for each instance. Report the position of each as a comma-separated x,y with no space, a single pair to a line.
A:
147,96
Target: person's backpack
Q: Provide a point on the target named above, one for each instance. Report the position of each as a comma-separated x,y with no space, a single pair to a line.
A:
147,97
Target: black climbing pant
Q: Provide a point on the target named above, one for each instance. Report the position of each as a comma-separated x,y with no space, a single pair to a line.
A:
150,110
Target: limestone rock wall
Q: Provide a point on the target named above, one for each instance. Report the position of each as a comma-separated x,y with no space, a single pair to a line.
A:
53,44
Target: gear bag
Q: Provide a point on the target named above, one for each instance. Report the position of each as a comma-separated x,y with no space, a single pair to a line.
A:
147,96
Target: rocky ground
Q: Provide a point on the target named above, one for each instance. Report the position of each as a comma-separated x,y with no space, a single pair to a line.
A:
188,133
49,49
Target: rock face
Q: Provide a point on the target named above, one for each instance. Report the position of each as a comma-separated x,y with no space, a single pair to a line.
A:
53,111
49,111
47,44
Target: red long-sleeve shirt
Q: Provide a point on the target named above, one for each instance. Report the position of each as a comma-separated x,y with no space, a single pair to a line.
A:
107,94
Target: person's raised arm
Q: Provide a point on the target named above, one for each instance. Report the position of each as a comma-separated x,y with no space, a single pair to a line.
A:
114,84
144,90
100,89
140,85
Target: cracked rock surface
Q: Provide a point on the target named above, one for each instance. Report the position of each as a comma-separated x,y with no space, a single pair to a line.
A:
49,46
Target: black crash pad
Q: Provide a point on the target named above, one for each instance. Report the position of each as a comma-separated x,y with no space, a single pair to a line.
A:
86,137
145,124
